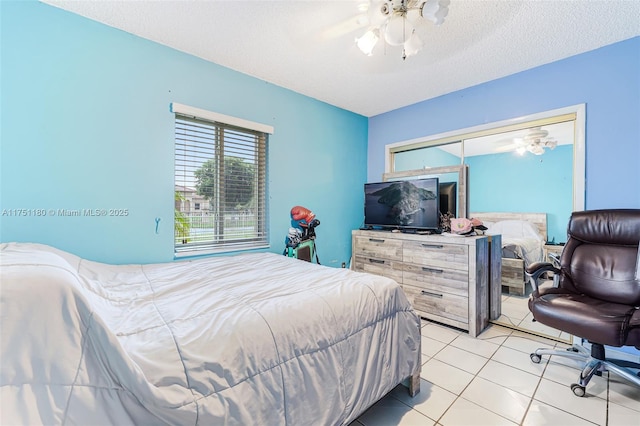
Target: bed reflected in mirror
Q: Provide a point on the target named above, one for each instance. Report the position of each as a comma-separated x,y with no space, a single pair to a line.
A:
523,239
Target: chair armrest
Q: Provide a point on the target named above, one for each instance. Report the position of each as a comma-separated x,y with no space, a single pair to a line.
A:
535,271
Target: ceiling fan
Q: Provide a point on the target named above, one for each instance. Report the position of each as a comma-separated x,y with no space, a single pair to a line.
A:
391,23
535,141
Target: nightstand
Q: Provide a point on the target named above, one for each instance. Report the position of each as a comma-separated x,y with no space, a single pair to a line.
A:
556,250
552,249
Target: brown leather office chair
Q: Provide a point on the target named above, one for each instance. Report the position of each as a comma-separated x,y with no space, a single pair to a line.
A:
597,295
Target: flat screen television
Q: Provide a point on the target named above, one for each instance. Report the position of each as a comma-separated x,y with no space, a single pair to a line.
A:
448,192
406,204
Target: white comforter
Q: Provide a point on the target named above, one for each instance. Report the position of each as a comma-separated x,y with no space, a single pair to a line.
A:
248,339
529,249
521,236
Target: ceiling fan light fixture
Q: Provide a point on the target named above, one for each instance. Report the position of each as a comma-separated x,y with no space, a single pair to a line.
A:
534,141
535,149
397,22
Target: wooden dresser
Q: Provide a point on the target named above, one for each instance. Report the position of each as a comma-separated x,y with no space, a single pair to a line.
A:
446,279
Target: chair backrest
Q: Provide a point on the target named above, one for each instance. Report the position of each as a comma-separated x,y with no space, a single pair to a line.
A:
601,256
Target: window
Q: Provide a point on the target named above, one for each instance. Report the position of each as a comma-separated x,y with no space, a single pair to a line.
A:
220,170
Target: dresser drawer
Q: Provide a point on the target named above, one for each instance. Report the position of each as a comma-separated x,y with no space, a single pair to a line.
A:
385,267
441,304
379,248
453,281
438,255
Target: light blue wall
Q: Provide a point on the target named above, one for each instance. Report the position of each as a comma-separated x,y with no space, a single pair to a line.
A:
510,182
607,80
86,124
425,157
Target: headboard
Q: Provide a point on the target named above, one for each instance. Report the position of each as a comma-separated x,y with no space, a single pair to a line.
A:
539,220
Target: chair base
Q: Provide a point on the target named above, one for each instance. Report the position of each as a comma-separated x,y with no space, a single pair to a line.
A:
595,363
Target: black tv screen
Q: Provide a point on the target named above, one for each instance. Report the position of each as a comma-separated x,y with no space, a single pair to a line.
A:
402,204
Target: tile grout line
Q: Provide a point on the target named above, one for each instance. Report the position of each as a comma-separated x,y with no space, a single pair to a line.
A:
530,398
606,413
536,391
459,396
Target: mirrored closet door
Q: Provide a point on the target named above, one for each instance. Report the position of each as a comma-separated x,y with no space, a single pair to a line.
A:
528,169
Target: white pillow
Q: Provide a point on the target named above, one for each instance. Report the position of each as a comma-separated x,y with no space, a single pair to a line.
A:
515,229
488,225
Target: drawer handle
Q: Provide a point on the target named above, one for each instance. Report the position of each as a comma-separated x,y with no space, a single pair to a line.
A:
435,246
428,293
376,240
437,271
376,261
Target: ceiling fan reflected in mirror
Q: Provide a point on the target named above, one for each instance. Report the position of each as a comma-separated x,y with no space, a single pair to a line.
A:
535,140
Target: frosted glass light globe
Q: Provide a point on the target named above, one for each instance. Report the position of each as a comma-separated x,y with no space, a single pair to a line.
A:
413,45
397,31
367,42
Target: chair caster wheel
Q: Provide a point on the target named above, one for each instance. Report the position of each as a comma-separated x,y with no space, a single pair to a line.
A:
578,390
535,358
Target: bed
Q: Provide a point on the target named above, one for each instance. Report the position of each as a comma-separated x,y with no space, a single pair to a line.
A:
523,239
254,338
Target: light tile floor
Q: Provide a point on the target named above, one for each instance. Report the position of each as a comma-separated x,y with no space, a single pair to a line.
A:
491,380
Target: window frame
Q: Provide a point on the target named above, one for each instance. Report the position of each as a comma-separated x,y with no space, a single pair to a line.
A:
249,138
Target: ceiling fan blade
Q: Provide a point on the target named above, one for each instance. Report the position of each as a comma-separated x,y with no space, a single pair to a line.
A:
535,134
346,26
506,145
507,148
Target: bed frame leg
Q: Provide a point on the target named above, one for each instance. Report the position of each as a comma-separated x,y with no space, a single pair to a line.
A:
414,384
414,379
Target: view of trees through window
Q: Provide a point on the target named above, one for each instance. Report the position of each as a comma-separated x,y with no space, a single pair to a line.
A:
219,185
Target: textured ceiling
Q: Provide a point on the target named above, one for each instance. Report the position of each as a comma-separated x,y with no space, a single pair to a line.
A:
308,46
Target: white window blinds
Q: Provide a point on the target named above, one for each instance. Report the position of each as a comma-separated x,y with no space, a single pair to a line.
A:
220,168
